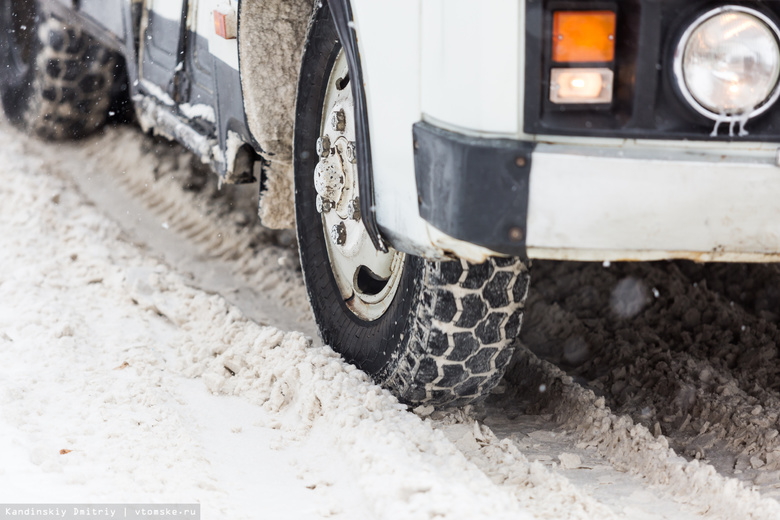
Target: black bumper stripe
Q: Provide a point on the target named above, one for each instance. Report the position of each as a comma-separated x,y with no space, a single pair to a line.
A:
474,189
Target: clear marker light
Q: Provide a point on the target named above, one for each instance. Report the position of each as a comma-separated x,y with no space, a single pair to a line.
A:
581,85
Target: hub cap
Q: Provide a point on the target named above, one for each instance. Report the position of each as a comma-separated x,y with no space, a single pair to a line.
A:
367,279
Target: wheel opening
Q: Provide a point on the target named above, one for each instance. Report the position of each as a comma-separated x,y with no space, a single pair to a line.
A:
369,283
342,83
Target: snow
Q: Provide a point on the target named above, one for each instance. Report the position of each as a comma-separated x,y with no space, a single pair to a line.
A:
163,393
205,112
133,373
157,92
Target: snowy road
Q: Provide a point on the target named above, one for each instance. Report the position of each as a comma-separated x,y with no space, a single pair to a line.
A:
158,349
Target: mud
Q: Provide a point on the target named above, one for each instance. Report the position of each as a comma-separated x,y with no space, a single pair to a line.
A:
688,351
271,39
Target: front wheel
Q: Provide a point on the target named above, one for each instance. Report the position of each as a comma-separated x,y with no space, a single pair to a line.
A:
435,333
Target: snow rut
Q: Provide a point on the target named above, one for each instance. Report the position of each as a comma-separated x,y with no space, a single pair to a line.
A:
158,183
691,364
101,339
631,447
164,201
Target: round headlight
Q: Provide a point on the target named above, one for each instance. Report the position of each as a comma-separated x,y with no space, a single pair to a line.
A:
728,63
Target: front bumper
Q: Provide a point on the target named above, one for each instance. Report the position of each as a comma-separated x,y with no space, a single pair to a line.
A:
628,202
473,189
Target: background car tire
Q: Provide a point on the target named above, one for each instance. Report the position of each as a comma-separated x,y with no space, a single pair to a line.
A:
58,82
446,337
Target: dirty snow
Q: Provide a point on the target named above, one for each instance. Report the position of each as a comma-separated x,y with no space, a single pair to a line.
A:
197,111
160,392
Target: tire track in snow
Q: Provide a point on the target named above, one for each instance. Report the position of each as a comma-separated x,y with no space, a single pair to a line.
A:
220,254
67,386
631,447
690,364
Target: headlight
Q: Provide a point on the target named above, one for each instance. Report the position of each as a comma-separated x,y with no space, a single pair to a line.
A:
728,63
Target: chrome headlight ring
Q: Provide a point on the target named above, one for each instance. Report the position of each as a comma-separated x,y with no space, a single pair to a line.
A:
679,69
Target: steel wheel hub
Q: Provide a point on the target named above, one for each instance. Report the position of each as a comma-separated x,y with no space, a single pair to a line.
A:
367,279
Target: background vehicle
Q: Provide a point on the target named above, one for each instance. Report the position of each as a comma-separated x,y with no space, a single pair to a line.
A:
432,148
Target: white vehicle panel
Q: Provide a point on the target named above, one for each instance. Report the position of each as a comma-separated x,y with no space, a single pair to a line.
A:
453,62
388,37
589,207
470,59
203,24
168,9
436,60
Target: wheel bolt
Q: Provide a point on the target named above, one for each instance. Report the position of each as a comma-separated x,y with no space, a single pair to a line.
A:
352,152
323,146
338,120
353,210
323,205
338,234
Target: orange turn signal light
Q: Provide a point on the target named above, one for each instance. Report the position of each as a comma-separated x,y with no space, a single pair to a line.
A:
583,36
225,23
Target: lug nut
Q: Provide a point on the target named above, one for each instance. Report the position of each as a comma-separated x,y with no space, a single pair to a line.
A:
338,234
323,146
353,210
338,120
352,152
323,205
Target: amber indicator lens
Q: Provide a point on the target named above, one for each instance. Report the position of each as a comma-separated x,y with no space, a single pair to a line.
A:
583,36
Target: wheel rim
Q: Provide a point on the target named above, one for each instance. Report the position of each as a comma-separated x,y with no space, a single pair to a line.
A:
20,18
367,279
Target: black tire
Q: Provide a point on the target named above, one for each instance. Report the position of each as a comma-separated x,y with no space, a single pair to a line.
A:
447,336
57,81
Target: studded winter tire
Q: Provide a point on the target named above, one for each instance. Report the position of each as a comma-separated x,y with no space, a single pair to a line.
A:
55,80
435,333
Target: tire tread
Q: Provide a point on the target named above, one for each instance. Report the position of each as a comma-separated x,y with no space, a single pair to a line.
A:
69,92
478,349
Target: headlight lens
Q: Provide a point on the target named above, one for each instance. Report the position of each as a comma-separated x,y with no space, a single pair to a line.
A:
729,63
